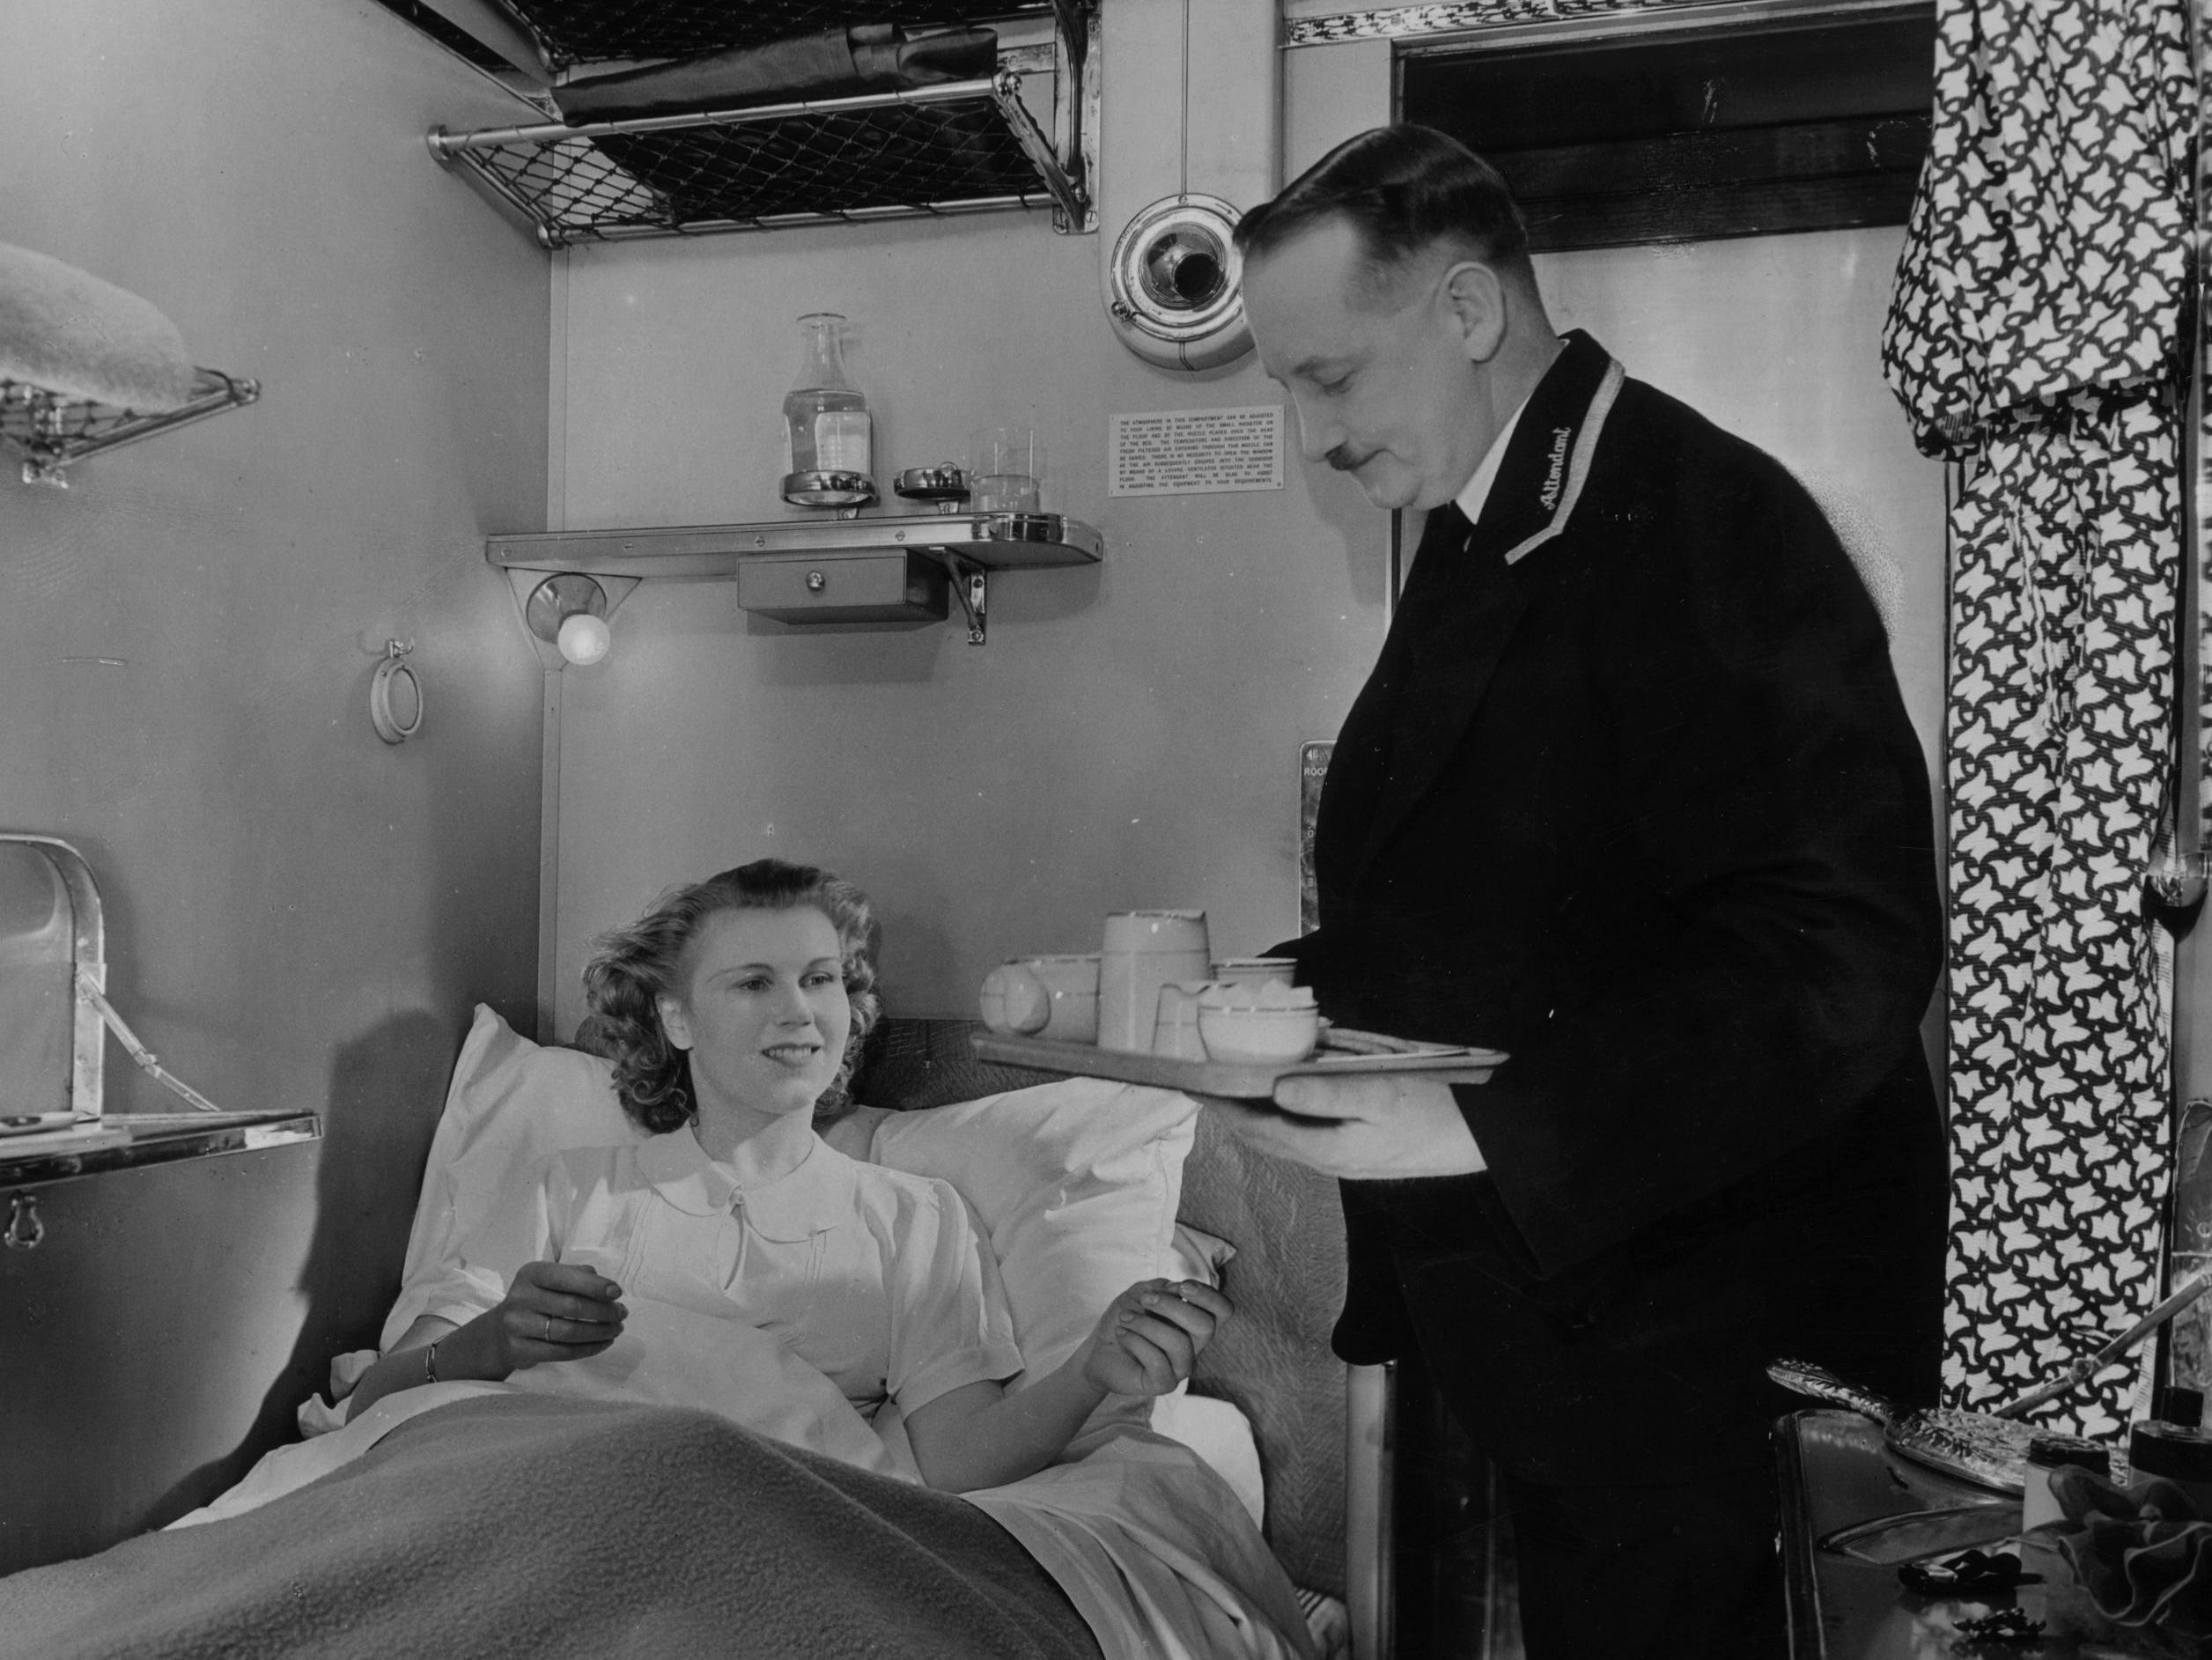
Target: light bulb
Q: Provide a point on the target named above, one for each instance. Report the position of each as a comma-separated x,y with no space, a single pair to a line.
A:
584,638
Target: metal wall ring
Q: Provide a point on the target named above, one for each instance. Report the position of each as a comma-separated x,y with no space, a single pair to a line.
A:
389,703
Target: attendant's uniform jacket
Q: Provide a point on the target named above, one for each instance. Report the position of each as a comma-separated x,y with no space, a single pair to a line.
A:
1631,795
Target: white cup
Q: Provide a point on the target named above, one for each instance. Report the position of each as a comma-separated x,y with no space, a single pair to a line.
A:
1140,952
1175,1031
1054,997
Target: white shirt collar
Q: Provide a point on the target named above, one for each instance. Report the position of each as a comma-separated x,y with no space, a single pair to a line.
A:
814,1194
1476,494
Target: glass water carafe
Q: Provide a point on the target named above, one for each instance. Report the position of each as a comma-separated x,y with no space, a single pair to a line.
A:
829,442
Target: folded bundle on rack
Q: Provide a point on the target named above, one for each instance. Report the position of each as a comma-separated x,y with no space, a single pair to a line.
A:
872,57
2142,1553
68,332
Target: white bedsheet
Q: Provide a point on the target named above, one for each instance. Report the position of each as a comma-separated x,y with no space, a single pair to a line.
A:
1156,1552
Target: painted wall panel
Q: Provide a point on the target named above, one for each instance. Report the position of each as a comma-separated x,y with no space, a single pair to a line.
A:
1129,735
297,914
1329,96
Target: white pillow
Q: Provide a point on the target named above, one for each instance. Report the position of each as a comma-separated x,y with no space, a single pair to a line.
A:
511,1105
1218,1431
1076,1181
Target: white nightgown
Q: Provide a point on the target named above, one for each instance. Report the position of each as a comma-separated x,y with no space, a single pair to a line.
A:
879,1280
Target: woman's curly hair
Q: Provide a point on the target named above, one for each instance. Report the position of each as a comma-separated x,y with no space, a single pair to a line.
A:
632,968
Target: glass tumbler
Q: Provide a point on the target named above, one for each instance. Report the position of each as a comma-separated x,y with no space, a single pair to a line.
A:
1008,470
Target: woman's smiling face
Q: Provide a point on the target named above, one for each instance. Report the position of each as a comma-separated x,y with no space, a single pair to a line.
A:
762,1010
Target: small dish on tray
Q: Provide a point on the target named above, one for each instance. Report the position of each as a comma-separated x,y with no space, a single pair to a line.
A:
1274,1021
1342,1053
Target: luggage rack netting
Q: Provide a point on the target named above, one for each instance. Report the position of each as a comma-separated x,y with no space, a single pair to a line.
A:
569,185
49,430
961,147
571,31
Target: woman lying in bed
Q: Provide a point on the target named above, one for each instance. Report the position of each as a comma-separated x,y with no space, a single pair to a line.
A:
652,1409
732,1010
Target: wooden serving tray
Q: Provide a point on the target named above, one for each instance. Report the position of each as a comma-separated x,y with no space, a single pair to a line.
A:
1242,1080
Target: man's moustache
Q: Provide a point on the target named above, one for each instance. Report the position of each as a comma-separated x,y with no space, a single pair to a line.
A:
1343,461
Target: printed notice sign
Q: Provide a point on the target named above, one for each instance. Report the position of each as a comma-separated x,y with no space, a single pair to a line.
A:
1195,452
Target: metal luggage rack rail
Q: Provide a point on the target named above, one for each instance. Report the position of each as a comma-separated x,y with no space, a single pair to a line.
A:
963,147
50,430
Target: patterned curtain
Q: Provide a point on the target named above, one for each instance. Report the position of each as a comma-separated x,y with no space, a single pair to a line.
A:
2034,336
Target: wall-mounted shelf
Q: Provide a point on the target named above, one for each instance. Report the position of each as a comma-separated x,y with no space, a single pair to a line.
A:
132,1141
969,545
711,553
50,430
961,147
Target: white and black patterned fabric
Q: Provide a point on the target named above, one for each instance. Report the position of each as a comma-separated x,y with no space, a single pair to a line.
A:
2059,730
2033,333
2046,252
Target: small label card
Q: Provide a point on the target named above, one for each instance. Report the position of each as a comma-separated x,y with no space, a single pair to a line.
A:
1313,772
1195,452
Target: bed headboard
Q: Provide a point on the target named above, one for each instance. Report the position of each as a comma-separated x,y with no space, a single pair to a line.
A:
1287,1281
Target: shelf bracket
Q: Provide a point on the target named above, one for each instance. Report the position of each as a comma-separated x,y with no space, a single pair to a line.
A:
971,585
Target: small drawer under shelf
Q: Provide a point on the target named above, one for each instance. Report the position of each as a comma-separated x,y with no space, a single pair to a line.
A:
853,587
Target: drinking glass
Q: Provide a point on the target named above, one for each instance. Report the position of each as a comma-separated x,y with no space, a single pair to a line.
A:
1008,470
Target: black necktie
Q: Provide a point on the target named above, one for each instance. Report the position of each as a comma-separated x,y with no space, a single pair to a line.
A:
1446,528
1440,559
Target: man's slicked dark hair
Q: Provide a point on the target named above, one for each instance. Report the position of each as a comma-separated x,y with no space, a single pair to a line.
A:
1402,190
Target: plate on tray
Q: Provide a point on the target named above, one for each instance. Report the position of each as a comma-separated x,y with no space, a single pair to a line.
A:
1341,1054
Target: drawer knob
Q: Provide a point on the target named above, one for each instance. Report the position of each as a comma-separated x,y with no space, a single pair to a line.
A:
817,582
25,1227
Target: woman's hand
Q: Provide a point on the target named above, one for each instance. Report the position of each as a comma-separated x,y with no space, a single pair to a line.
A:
978,1435
1151,1335
552,1311
555,1311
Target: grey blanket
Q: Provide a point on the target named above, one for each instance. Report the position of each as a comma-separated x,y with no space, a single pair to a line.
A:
537,1529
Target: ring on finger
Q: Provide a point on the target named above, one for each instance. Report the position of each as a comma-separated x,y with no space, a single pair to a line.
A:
549,1328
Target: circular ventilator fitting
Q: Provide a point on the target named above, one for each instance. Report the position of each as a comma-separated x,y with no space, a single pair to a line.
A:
1173,288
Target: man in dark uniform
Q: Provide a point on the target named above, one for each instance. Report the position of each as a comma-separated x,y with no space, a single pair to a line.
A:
1630,795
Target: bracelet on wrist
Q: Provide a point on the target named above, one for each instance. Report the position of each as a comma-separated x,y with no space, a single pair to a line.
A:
429,1364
